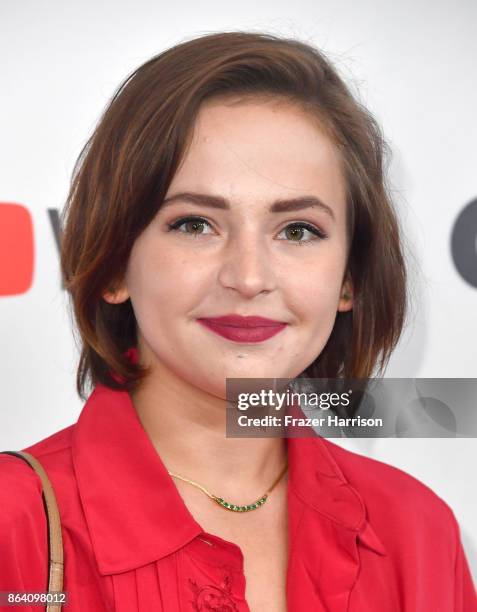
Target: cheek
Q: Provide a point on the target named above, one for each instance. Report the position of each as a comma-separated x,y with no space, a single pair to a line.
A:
161,282
314,287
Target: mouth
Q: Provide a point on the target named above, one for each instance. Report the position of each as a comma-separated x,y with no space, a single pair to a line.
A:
243,329
233,320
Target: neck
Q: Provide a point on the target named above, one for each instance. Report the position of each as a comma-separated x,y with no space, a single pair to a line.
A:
186,425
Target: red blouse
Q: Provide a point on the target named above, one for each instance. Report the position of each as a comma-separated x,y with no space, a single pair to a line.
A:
363,535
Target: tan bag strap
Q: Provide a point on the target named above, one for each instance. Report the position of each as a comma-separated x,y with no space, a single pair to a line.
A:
55,542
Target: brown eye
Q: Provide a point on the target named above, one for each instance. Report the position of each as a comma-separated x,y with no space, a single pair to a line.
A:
296,231
193,226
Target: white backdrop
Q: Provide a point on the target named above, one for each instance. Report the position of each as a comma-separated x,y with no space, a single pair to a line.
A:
412,63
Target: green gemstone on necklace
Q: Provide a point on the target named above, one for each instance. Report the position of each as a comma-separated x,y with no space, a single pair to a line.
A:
236,508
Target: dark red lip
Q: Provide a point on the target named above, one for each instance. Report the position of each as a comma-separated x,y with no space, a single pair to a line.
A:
243,329
239,321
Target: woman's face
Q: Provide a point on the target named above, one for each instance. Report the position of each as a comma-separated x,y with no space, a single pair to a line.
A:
242,258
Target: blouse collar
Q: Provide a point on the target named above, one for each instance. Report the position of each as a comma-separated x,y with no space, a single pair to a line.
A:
134,511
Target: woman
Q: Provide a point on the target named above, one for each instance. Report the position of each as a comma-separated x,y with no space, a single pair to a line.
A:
231,177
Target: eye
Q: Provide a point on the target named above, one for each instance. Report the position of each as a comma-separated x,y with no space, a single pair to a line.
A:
296,230
194,223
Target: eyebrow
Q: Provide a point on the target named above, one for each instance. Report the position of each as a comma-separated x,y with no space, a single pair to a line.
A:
278,206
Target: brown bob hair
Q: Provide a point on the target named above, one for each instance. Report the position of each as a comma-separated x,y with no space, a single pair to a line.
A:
124,171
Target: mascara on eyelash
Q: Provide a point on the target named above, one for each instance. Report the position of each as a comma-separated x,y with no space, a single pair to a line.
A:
297,224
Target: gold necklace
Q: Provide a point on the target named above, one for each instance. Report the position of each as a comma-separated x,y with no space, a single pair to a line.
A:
227,505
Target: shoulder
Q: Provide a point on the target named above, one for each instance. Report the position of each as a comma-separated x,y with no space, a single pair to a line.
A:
23,527
23,521
20,485
417,527
20,488
56,442
378,479
395,497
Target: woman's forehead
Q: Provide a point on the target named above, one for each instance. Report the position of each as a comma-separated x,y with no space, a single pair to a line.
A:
259,150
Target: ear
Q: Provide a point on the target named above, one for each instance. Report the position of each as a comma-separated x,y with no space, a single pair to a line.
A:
346,297
116,294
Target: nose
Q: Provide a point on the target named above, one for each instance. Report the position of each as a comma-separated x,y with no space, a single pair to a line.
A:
247,265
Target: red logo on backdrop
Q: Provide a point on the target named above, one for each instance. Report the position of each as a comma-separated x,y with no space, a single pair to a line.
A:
16,249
